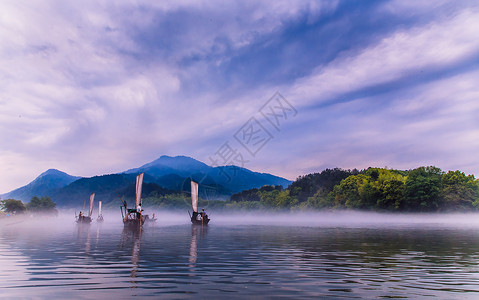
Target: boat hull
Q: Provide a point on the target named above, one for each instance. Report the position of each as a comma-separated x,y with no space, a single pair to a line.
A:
84,220
196,219
199,222
133,223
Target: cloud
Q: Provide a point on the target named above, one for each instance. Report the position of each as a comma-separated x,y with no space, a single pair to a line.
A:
430,124
94,88
413,53
404,101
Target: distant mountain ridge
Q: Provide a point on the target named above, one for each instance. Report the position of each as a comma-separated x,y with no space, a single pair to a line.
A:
180,165
44,185
165,175
232,178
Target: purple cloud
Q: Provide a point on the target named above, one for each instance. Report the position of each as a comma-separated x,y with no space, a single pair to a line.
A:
93,88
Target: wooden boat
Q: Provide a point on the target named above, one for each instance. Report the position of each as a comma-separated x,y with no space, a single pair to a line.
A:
197,218
149,220
81,218
100,216
132,217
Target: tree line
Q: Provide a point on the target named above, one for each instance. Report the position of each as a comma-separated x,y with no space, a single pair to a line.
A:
424,189
36,205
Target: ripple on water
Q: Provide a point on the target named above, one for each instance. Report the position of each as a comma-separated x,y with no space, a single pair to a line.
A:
242,261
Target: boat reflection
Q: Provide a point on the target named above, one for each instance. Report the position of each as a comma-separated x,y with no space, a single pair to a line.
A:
132,236
197,233
82,231
98,233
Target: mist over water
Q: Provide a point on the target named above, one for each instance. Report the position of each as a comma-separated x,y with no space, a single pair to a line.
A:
308,219
349,219
341,254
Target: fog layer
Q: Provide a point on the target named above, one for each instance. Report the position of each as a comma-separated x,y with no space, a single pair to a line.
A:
307,219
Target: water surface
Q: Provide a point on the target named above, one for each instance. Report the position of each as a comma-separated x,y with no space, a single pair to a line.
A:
318,255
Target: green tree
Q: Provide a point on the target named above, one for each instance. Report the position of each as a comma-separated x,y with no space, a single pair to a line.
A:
284,199
321,199
43,204
306,186
423,189
346,194
247,195
373,173
370,195
459,191
13,206
374,188
390,184
277,198
392,195
243,205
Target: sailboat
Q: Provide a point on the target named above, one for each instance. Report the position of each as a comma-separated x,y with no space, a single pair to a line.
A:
197,218
133,217
81,218
100,216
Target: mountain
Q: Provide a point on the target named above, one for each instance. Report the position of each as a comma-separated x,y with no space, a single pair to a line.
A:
238,179
232,179
162,176
107,188
104,187
165,165
44,185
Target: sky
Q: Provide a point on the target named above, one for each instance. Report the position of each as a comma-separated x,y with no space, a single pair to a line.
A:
284,87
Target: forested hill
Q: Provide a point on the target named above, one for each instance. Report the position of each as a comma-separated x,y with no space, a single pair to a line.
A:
425,189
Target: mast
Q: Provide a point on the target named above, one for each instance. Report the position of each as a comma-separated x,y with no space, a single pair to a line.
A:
92,198
194,196
139,183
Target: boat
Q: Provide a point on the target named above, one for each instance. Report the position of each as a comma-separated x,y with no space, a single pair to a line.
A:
81,218
132,217
149,220
100,216
197,218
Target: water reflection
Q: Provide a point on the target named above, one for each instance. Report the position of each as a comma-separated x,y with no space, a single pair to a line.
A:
238,261
132,236
83,231
193,246
98,229
197,232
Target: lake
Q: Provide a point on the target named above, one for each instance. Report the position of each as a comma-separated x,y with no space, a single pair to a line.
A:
342,255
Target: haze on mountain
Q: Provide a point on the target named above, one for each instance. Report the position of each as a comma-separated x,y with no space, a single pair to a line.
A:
45,184
163,176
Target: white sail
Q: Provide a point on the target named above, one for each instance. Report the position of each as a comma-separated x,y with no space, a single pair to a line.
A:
99,208
92,197
194,196
139,183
